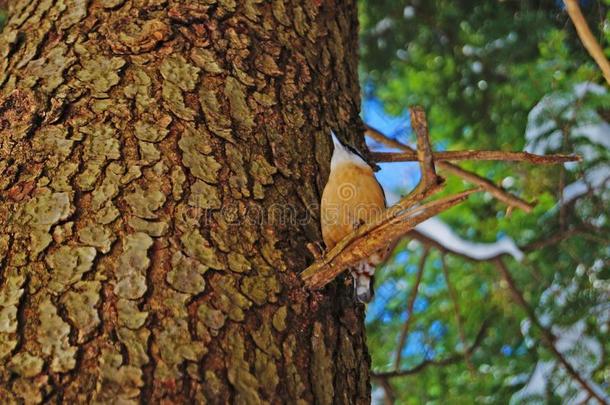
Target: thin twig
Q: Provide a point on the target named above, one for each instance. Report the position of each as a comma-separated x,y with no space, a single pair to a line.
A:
458,314
410,305
443,362
497,192
502,195
547,336
380,137
587,38
477,155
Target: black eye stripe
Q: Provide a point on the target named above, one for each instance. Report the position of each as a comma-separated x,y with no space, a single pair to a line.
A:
350,148
354,151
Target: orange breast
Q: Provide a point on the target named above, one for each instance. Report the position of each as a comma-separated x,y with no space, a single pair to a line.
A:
351,198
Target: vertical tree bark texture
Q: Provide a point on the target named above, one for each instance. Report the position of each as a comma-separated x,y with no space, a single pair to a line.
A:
161,167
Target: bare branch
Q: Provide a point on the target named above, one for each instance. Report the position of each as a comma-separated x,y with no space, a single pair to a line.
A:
443,362
587,38
375,236
384,139
410,305
477,155
548,339
502,195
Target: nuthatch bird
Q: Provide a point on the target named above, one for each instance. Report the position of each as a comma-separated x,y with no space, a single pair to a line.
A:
352,197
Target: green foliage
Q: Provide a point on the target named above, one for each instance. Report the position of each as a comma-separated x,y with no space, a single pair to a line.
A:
479,69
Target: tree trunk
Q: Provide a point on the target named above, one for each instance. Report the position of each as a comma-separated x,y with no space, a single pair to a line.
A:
161,166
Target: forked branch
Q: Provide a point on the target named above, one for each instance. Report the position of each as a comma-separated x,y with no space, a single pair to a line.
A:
373,237
507,198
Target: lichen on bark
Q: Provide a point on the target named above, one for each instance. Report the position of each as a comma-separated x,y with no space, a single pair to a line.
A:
53,338
157,162
10,294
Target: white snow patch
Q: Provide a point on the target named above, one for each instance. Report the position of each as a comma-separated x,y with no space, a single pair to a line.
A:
594,179
442,233
543,135
437,230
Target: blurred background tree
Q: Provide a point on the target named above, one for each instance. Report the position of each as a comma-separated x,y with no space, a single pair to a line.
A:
508,75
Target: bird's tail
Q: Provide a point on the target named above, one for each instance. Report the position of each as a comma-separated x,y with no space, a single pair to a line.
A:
363,276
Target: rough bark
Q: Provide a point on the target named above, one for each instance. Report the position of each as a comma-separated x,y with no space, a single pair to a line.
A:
161,164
